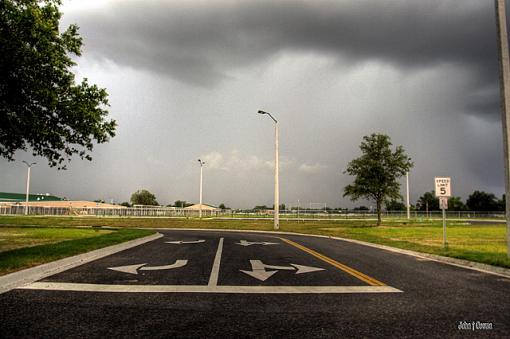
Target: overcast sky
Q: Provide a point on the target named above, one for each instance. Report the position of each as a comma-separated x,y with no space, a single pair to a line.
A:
186,79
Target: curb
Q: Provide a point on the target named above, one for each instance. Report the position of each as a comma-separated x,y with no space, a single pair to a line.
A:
29,275
471,265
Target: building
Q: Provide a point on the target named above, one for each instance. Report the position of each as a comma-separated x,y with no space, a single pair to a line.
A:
12,198
205,207
48,200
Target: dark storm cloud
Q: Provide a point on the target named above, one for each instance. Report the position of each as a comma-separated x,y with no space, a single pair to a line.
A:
199,42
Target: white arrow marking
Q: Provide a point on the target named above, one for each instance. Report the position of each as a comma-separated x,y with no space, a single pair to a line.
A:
259,269
180,242
306,269
133,269
127,269
261,275
259,265
177,264
248,243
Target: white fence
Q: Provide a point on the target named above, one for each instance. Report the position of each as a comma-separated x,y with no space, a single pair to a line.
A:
110,212
244,214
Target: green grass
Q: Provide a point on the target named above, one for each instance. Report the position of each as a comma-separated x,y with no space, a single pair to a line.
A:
17,237
481,243
63,243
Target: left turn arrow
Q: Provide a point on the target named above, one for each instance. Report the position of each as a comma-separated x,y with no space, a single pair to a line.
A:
133,269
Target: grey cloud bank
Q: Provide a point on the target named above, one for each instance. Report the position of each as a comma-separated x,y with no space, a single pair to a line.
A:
186,78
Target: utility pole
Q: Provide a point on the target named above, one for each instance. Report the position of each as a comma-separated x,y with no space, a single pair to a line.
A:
298,210
504,73
408,205
28,184
201,177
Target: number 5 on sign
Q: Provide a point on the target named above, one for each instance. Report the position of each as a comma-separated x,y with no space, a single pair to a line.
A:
443,187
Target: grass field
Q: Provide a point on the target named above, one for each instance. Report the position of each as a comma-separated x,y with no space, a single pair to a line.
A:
17,237
484,243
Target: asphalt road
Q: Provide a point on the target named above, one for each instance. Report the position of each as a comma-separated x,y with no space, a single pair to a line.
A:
258,285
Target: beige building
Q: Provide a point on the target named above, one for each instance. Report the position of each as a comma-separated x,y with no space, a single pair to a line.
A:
205,207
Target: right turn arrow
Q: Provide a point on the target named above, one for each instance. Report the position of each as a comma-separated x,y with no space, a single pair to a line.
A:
258,269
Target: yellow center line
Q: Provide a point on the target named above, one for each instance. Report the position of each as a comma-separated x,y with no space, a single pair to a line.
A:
361,276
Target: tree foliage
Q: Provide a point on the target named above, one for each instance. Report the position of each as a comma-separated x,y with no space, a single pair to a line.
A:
143,197
428,201
456,204
477,201
41,106
395,205
483,201
376,171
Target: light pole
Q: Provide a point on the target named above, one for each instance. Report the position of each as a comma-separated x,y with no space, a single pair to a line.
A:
28,184
504,74
201,172
276,171
408,205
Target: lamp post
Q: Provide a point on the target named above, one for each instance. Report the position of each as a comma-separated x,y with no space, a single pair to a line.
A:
504,75
28,184
201,177
276,171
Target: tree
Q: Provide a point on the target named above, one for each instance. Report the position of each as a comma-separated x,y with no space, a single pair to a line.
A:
125,204
502,203
395,205
281,208
428,201
223,207
482,201
143,197
41,106
456,204
376,171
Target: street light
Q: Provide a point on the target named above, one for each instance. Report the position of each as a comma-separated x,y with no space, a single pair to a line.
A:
201,167
276,165
504,75
28,184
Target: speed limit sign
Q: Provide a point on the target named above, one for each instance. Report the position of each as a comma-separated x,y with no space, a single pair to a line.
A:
443,187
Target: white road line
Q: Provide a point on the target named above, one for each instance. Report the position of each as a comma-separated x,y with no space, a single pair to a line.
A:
57,286
213,279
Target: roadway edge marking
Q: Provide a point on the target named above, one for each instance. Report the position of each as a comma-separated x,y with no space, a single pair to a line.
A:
77,287
357,274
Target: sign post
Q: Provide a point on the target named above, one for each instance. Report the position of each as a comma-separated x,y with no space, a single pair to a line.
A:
443,205
443,192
